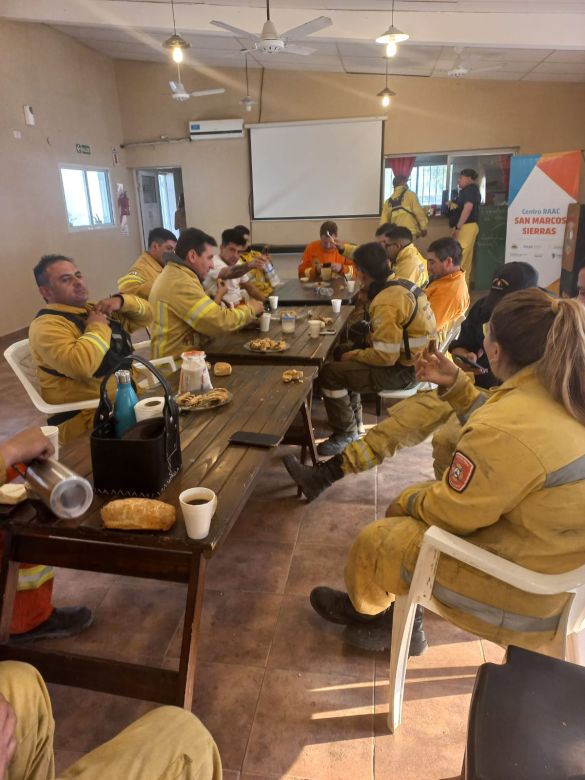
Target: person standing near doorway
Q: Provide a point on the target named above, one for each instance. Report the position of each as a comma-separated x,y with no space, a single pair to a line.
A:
463,218
404,210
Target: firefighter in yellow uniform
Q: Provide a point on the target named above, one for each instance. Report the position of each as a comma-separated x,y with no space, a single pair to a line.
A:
141,276
463,216
257,275
402,323
520,457
75,343
185,317
405,259
168,743
403,209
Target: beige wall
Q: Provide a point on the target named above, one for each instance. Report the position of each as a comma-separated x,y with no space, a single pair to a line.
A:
73,92
427,115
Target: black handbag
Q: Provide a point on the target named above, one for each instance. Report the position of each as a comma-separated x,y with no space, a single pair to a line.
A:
145,460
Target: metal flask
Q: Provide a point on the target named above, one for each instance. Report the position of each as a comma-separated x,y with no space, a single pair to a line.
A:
65,493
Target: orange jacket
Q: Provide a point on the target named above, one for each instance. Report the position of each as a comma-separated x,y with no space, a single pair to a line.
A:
314,251
449,298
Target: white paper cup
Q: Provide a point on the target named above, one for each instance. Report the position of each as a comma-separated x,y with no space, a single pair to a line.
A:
315,328
336,305
265,322
52,433
351,285
273,301
197,517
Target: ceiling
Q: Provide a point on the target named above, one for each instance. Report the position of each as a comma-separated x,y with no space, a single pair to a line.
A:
516,40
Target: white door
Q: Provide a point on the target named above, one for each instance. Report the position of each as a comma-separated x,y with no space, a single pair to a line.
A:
149,197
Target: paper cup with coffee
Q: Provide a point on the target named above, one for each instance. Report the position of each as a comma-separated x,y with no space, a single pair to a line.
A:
265,322
52,434
198,506
273,301
336,305
351,285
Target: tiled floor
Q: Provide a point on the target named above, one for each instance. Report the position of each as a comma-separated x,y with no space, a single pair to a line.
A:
281,694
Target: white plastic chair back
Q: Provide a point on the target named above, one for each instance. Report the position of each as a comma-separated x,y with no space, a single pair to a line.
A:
567,643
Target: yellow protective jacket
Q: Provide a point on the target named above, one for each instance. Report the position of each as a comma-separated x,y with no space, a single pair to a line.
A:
390,310
257,275
409,214
449,299
411,265
516,487
57,344
185,316
141,276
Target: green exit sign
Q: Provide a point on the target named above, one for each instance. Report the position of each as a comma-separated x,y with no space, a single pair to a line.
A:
82,149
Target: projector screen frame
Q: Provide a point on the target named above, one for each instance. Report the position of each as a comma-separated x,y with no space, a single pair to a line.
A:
314,217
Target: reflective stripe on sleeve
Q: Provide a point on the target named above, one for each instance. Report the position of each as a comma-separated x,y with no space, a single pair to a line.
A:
384,346
97,340
131,278
32,578
196,312
334,393
363,452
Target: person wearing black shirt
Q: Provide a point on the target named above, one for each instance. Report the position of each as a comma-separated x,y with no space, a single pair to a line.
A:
463,217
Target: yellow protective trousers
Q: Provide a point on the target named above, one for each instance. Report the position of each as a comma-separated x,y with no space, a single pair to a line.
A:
167,743
467,236
410,422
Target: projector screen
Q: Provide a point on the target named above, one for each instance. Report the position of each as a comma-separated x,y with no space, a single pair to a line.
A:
303,170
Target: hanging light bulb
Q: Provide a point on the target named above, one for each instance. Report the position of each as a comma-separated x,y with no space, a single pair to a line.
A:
392,34
247,101
386,94
391,49
175,43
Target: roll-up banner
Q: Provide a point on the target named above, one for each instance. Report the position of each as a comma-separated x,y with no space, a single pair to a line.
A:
541,188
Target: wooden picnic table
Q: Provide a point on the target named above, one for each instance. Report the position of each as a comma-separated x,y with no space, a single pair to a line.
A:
262,402
297,293
302,349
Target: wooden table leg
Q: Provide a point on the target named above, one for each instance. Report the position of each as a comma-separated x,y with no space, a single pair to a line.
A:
8,584
193,607
308,427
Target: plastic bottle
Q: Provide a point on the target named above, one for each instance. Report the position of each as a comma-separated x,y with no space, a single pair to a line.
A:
124,403
271,274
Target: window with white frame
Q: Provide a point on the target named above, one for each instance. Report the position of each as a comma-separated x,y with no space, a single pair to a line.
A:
87,197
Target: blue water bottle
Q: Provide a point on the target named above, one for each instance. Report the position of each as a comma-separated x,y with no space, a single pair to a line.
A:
124,403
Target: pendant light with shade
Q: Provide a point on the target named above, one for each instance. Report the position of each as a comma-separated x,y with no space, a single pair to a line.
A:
176,43
248,102
392,37
386,94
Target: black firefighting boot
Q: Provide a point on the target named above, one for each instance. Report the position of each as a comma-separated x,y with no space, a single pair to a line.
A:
313,480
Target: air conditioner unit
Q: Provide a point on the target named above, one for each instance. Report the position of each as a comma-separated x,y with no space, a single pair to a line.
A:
210,129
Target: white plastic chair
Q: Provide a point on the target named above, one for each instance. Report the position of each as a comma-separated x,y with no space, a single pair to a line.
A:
150,380
420,387
20,360
565,644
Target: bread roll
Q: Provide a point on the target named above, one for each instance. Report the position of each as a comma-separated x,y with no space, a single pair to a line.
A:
138,514
222,369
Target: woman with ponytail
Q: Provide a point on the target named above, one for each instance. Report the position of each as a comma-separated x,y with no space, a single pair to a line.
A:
516,487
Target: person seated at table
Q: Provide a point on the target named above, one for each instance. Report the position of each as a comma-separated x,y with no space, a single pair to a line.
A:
33,614
141,276
402,322
258,276
75,343
185,317
167,742
325,250
226,266
515,486
411,421
447,291
403,209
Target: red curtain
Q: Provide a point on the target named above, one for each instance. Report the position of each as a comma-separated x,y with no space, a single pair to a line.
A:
505,169
401,166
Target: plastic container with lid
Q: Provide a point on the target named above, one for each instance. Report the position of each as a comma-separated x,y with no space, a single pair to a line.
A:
194,373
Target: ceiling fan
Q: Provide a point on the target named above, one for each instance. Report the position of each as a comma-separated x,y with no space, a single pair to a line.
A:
270,42
461,68
180,93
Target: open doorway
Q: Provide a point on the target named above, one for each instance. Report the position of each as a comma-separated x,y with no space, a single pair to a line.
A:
160,191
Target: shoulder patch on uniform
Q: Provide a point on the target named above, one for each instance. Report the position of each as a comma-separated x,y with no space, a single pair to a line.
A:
461,471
